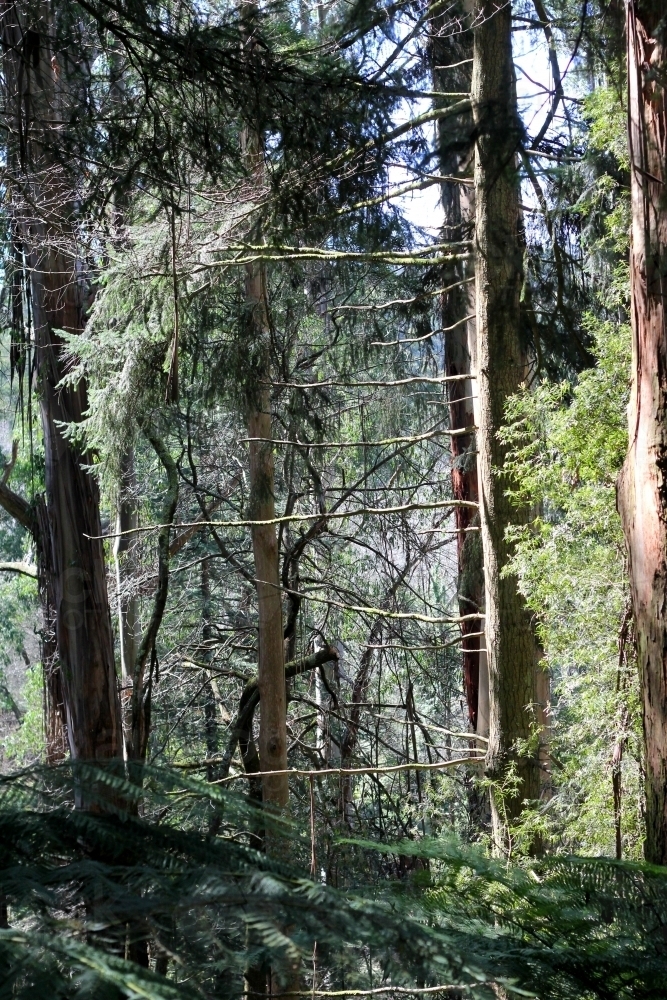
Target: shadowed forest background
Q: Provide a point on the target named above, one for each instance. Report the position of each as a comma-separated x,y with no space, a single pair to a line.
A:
333,529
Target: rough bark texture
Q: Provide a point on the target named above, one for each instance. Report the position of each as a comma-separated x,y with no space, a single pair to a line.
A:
511,647
642,488
458,307
73,552
271,660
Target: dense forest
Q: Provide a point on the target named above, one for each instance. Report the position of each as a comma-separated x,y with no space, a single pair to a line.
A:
333,526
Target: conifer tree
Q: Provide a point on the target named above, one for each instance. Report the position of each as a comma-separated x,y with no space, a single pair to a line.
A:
510,639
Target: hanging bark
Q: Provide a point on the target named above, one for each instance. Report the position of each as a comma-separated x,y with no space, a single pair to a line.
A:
511,648
642,493
36,96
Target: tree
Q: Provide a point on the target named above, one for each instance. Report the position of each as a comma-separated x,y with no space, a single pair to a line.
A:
37,96
511,648
641,488
455,148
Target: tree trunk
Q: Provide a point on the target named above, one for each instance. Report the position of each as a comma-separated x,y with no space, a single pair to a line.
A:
72,546
642,493
55,720
34,519
128,616
142,685
271,658
126,522
210,720
271,662
458,308
511,648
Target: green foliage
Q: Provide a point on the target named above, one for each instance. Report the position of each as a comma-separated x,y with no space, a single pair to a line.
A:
568,443
27,744
81,887
607,124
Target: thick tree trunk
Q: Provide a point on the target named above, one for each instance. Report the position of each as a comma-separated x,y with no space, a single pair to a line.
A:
642,487
76,564
73,551
511,648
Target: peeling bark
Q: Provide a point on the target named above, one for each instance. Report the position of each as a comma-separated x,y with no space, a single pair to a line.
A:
642,485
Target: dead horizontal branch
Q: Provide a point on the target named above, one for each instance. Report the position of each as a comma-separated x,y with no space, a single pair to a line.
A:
415,439
369,384
25,569
390,769
286,519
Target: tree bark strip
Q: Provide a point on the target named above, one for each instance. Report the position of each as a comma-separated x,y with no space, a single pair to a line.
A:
458,307
642,486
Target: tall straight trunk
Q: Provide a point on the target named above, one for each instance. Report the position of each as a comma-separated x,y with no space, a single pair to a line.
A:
642,493
458,307
77,568
511,647
73,551
271,659
271,653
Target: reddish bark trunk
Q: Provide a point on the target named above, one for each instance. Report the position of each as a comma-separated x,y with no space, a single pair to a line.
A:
458,307
642,487
72,549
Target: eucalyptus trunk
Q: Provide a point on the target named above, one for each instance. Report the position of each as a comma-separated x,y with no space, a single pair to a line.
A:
511,648
642,487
